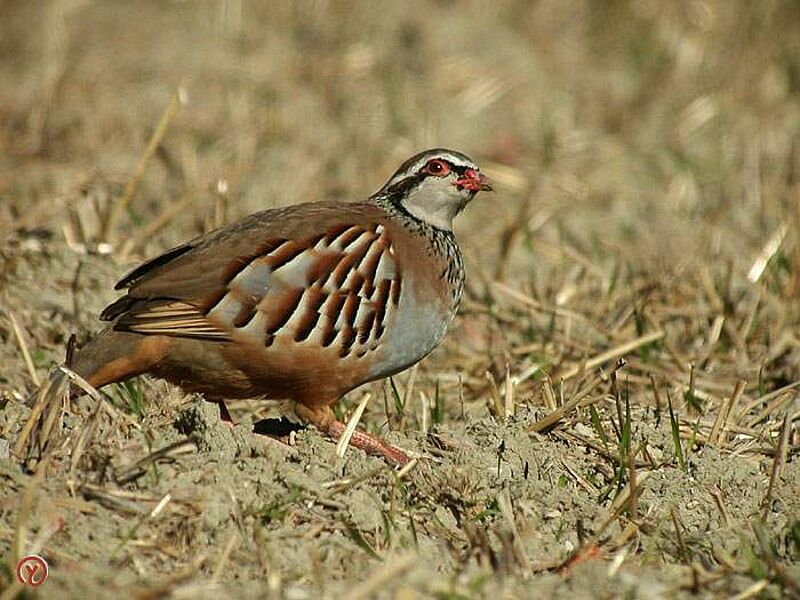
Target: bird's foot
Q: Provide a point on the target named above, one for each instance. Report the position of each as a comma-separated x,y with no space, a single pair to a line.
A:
369,444
324,421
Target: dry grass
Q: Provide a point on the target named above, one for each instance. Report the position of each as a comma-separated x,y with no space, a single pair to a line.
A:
615,409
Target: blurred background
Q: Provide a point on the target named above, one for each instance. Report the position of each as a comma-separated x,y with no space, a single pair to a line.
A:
648,139
669,122
645,156
646,163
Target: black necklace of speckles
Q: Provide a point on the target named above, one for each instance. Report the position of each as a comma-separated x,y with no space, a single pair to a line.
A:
440,242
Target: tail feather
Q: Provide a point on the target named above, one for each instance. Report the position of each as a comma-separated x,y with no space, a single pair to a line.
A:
114,356
109,357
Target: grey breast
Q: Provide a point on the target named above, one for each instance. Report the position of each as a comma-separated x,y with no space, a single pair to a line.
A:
417,328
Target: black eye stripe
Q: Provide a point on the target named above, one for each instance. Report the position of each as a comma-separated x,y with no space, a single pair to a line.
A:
412,172
458,169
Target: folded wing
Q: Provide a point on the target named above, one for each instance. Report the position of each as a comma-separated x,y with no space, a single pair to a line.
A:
334,289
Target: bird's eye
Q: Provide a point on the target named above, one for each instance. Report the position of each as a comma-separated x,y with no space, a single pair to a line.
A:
437,167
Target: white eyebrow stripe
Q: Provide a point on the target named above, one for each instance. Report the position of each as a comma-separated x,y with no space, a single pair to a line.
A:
457,160
451,158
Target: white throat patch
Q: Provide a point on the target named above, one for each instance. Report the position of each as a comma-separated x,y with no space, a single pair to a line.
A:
436,201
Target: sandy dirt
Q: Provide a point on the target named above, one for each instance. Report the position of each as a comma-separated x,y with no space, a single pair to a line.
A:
645,210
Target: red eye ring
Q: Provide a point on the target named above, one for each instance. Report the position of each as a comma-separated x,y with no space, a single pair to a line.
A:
437,167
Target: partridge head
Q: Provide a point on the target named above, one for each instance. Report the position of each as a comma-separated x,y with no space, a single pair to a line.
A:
435,186
303,303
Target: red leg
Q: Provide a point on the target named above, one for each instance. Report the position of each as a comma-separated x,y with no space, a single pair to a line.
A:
323,419
369,443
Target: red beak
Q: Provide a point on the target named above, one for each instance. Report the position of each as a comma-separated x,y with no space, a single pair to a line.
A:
474,181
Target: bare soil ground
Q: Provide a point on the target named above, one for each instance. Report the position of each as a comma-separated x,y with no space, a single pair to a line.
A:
614,412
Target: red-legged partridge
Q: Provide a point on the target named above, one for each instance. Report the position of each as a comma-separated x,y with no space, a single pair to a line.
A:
302,303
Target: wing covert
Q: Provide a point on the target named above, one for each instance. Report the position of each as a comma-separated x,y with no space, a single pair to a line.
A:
335,290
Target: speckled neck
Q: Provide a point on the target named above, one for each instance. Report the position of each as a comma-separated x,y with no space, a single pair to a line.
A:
440,242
